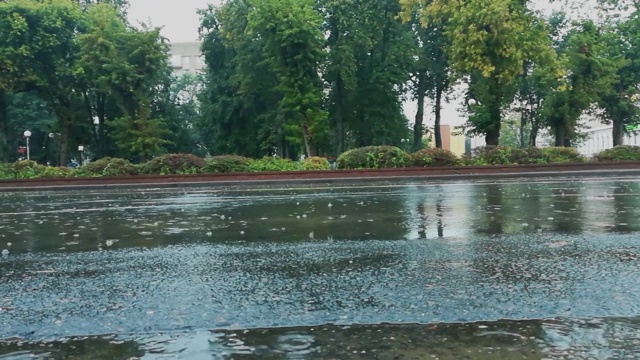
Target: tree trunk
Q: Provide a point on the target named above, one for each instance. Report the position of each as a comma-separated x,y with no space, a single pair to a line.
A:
533,136
523,124
439,216
417,125
307,141
559,134
618,132
4,122
102,126
492,137
438,114
64,143
339,117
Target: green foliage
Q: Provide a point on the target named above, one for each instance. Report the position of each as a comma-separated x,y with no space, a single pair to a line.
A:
619,153
622,42
293,51
272,164
263,94
374,157
107,167
226,164
489,42
505,155
5,171
129,64
430,157
591,72
491,155
561,155
28,169
315,163
173,164
37,52
530,155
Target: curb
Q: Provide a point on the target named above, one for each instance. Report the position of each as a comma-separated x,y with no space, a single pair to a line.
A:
183,182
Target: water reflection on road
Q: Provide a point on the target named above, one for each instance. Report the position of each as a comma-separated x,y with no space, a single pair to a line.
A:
272,268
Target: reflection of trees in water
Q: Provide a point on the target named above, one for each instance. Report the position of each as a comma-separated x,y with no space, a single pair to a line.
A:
349,218
160,222
94,348
509,249
625,203
490,219
425,217
439,216
568,212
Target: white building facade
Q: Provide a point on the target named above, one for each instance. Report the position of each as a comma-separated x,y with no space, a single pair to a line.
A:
598,138
186,57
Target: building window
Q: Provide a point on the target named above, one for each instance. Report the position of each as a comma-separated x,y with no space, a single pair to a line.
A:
176,61
185,62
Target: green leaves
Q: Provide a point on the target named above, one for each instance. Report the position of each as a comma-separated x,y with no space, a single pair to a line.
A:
86,62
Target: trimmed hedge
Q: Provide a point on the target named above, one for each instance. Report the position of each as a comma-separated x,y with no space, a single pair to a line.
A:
561,155
315,163
107,167
370,157
272,164
374,157
226,164
619,153
173,164
503,155
434,157
29,169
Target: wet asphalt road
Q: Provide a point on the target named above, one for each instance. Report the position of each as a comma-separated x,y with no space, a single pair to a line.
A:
136,263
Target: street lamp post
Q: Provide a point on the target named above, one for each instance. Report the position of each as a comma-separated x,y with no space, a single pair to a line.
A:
27,135
81,149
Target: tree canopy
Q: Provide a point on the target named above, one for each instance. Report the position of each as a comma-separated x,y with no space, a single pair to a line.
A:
313,77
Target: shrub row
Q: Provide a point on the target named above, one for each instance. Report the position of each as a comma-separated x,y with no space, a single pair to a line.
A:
370,157
170,164
373,157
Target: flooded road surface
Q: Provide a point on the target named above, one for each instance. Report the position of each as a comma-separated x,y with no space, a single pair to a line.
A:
405,271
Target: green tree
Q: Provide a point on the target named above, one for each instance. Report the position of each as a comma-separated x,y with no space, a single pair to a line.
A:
383,62
431,76
489,42
127,66
535,83
178,105
341,67
293,41
37,52
620,103
590,75
28,111
237,104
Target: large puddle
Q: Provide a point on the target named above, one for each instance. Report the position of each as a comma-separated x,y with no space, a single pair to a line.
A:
387,272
